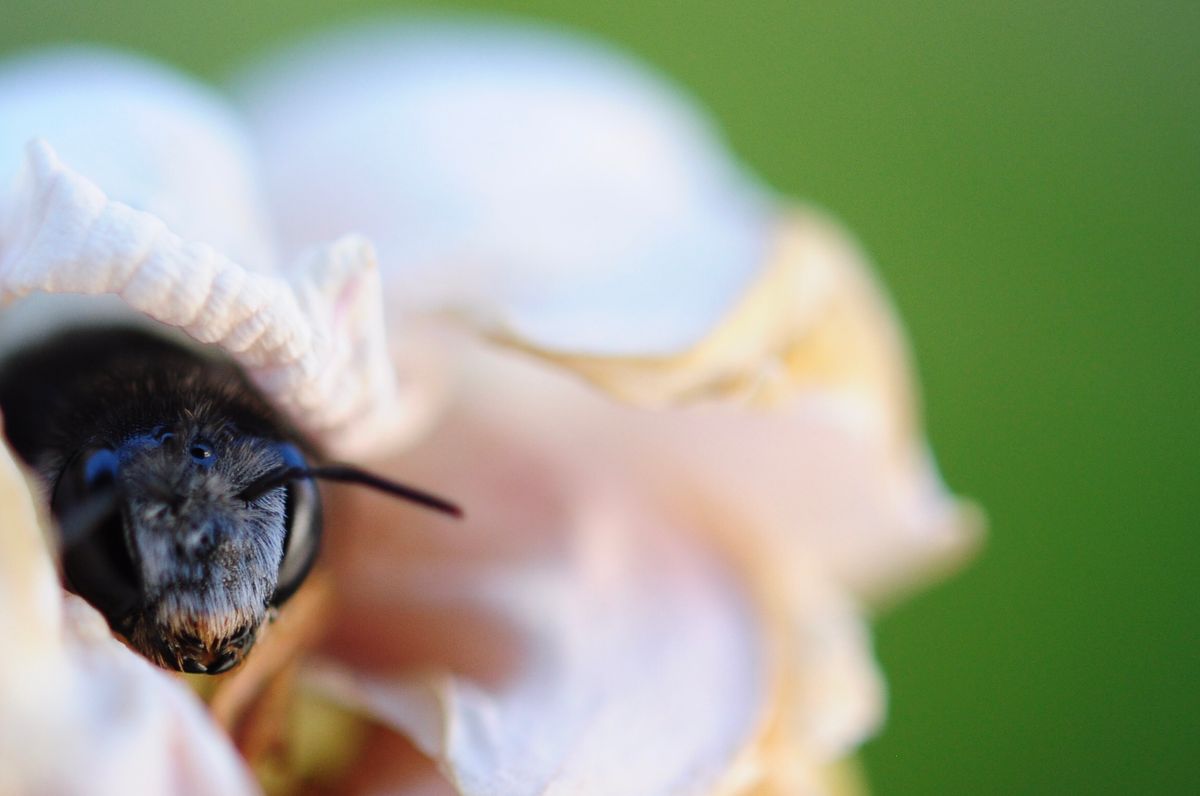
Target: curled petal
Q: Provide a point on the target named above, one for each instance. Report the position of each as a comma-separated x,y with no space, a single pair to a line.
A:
79,712
146,135
818,481
797,414
812,317
161,207
535,183
314,341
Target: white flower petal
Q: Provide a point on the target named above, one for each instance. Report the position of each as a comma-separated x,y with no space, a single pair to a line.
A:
30,597
835,700
567,637
146,135
824,480
821,479
815,500
79,712
798,415
607,579
314,341
536,182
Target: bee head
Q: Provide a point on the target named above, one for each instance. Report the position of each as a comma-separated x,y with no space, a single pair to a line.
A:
186,510
160,535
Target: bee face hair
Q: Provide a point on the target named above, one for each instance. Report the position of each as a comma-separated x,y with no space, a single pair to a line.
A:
145,447
207,561
185,503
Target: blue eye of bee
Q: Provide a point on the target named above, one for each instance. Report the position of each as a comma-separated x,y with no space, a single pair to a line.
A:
292,457
100,468
303,520
202,453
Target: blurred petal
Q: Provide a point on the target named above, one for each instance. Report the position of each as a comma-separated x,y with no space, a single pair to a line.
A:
566,637
813,316
800,417
146,135
816,481
391,765
602,581
314,342
537,183
79,712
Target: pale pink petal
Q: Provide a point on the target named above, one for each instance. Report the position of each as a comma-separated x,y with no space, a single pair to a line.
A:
817,481
314,340
500,170
603,612
566,637
155,200
797,415
534,182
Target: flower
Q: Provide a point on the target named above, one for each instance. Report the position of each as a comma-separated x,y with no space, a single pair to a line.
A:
656,594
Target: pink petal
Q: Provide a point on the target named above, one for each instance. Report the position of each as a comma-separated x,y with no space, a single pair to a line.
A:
566,636
536,183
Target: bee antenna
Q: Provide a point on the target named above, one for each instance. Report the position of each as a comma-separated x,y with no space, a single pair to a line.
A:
348,474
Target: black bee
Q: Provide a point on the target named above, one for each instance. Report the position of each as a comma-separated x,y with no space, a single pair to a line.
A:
184,501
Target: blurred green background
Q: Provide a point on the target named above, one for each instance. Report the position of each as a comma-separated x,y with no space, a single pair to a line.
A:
1027,175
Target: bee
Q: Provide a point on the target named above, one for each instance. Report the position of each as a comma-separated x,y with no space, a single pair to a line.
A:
186,506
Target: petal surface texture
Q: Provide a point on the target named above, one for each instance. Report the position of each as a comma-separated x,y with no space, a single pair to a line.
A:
146,136
156,207
538,183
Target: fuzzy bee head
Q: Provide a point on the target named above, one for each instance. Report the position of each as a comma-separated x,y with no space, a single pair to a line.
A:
187,510
162,537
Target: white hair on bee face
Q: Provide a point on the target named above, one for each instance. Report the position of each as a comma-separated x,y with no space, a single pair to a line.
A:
208,559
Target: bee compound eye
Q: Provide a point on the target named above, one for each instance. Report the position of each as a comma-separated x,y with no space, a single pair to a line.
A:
100,468
302,540
97,562
292,456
